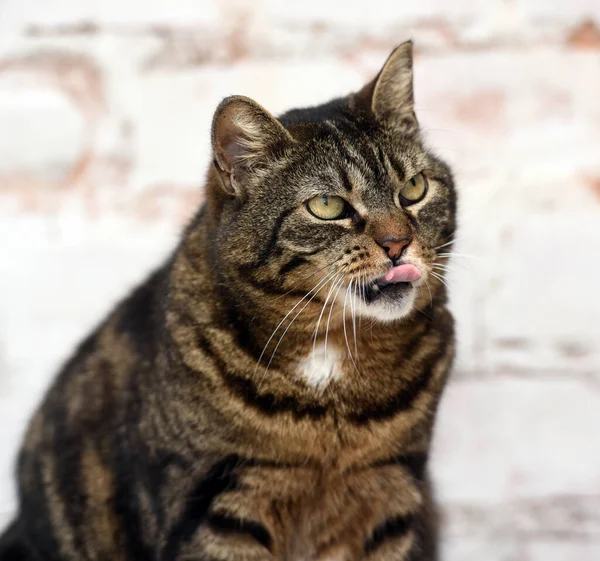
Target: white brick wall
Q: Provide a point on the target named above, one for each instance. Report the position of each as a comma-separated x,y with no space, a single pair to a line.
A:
104,117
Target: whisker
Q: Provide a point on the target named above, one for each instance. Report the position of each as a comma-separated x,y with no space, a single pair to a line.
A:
333,301
449,267
456,254
440,267
291,322
353,311
286,330
453,240
362,295
356,297
322,312
320,283
444,245
440,278
430,296
345,329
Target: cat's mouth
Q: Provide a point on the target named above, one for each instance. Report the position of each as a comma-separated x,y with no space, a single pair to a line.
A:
393,284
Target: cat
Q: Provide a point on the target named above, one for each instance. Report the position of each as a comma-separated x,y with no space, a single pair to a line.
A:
270,392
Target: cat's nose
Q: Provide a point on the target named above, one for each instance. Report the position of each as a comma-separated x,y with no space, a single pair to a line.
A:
394,246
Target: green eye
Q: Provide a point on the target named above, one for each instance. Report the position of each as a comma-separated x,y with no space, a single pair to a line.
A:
327,207
413,190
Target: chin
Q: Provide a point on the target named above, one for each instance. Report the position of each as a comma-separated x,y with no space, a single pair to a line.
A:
391,303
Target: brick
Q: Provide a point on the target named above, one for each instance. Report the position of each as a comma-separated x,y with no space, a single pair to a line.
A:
18,15
489,548
554,528
540,317
585,36
45,131
512,112
53,101
174,145
556,550
272,29
505,439
564,517
379,12
570,11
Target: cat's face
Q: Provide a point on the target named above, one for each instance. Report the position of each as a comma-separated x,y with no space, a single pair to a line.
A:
341,202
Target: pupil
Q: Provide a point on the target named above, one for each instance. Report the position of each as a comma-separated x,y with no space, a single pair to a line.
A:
325,200
414,183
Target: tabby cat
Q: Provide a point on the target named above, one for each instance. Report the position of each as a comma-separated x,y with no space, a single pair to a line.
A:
270,392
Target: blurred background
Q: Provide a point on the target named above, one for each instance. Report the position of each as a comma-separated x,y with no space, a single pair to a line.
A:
105,110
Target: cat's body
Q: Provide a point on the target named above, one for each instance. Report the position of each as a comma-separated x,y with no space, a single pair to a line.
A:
189,427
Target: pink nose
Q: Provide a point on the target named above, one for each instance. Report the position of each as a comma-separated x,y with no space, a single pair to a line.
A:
394,246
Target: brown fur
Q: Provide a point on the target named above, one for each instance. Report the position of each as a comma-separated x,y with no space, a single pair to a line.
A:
182,429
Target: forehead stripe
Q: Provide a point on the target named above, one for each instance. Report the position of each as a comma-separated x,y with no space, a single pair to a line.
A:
348,154
345,179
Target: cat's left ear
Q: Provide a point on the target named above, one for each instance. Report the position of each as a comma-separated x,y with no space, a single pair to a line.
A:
390,95
245,138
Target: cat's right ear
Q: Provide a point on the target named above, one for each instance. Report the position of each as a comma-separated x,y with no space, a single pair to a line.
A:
245,137
389,97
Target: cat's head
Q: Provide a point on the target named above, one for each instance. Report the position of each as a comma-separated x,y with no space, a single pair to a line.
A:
340,202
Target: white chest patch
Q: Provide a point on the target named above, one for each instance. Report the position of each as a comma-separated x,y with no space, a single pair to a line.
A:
320,367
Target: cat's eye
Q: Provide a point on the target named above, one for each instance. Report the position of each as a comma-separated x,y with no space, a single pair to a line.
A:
327,207
413,190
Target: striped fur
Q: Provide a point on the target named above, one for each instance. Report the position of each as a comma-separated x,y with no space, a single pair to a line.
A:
197,423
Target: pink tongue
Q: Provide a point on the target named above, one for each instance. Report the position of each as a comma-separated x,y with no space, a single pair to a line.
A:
402,273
